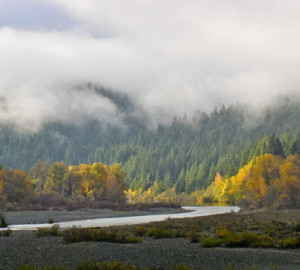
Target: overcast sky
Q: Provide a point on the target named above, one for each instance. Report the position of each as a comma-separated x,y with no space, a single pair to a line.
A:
172,56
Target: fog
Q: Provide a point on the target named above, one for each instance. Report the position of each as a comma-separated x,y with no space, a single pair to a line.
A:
171,57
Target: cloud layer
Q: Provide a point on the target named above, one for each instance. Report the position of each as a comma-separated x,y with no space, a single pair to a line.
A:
172,56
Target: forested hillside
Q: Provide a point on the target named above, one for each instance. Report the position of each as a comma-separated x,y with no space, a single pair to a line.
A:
186,154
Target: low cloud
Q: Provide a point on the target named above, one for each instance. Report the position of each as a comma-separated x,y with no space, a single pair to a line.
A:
171,57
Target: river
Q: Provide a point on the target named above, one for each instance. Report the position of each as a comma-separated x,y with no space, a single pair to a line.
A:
194,211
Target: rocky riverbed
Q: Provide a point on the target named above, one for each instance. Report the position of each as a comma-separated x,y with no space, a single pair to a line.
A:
25,248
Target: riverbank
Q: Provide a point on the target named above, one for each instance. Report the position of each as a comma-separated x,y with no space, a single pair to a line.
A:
23,247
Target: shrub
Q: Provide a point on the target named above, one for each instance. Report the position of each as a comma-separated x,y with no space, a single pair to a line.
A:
209,242
3,222
50,220
7,232
75,234
247,239
132,239
221,231
157,233
140,231
192,236
11,206
89,265
86,234
54,231
291,242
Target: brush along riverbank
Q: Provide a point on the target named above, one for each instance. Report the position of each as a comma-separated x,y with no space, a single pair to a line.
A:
22,248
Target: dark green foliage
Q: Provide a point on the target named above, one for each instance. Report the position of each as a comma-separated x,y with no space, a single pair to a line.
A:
210,242
7,232
50,220
185,154
157,233
54,231
274,146
75,234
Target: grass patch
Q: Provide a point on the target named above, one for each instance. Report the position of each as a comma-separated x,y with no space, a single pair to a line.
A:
157,232
7,232
210,242
53,231
75,234
291,242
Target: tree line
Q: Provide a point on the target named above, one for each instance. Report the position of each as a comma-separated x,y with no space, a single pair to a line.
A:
185,154
266,181
96,182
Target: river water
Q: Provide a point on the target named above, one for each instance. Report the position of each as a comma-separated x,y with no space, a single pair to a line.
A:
195,211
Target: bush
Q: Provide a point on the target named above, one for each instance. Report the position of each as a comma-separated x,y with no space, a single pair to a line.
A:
291,242
132,239
140,231
192,236
210,242
54,231
157,233
7,232
247,239
3,222
75,234
89,265
221,231
50,220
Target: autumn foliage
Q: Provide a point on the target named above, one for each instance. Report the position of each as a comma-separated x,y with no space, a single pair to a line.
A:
96,182
267,181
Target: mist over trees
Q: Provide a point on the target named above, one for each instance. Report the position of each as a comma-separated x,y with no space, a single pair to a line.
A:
186,154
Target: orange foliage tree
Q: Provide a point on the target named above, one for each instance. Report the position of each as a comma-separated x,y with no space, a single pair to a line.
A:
268,181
